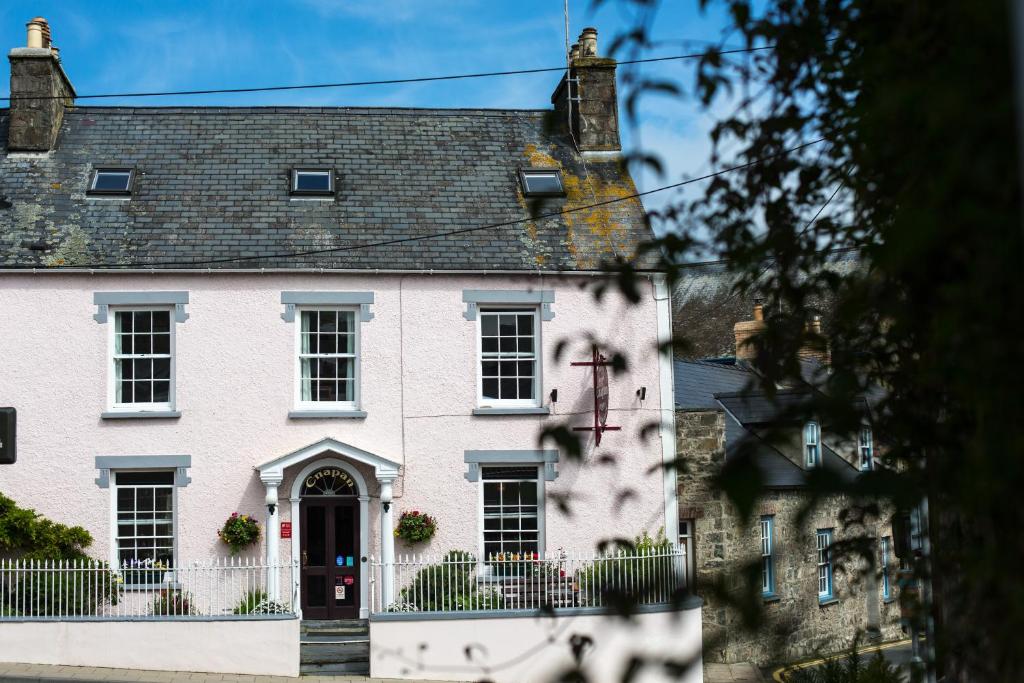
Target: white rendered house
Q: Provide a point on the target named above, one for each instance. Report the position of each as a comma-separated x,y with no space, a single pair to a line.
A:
324,317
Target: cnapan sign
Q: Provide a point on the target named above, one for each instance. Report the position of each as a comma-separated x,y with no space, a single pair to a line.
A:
286,529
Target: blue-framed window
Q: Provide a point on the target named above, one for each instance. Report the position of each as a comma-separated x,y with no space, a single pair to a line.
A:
767,556
886,582
825,591
866,446
812,444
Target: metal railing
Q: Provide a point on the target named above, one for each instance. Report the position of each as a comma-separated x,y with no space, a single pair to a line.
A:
459,582
90,589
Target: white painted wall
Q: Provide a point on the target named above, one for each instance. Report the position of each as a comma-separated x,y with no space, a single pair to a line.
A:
235,375
268,647
513,650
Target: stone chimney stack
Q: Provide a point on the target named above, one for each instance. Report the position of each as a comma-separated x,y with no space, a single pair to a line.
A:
815,346
40,90
590,97
744,330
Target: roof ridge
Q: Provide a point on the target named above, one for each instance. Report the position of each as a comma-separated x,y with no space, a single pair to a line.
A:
317,109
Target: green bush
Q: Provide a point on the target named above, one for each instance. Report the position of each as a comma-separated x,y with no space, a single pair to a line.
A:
72,590
256,601
173,603
634,579
448,585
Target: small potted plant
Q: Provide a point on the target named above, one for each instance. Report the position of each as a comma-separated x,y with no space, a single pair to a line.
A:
239,531
415,527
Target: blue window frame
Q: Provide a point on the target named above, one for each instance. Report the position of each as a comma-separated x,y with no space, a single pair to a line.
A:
812,444
867,449
767,557
825,589
886,582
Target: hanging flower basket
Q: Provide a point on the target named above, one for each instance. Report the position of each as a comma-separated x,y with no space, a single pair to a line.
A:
415,527
239,531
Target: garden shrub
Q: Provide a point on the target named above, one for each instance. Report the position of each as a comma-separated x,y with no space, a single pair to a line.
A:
74,590
640,579
256,601
169,602
448,585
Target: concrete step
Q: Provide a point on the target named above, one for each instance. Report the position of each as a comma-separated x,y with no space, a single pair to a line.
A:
334,637
337,628
335,653
358,669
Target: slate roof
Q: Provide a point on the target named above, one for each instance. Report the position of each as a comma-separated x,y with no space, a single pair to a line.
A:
705,305
213,184
728,387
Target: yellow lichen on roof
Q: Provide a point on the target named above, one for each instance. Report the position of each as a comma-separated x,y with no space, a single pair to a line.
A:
591,235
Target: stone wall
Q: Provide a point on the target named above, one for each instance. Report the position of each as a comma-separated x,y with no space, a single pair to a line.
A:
796,625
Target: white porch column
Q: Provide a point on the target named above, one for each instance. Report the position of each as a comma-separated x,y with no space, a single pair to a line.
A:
387,541
273,531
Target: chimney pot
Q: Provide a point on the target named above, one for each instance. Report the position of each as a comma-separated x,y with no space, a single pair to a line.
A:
35,33
574,52
758,311
588,42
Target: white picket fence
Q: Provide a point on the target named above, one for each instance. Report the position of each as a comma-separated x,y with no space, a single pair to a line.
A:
557,580
234,588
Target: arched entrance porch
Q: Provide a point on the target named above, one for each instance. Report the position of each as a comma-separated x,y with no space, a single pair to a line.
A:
346,506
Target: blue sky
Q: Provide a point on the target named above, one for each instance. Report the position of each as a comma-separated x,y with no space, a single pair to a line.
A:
123,46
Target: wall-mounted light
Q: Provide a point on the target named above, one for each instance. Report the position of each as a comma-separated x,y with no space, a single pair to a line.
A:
642,393
271,500
554,395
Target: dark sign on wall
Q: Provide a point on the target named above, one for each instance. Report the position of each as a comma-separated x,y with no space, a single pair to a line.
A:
8,441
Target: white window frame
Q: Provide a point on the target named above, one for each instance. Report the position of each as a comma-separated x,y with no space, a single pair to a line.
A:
823,539
328,406
812,428
884,549
767,528
687,541
115,548
541,504
538,379
113,405
866,448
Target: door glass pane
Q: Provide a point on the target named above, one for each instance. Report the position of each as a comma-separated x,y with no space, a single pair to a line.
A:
344,536
316,591
316,536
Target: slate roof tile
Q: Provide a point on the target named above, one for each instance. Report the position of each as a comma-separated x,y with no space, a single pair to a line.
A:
213,183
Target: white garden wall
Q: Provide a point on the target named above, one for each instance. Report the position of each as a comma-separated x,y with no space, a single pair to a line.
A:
511,649
268,647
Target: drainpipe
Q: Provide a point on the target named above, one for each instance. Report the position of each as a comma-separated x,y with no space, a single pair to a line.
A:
663,304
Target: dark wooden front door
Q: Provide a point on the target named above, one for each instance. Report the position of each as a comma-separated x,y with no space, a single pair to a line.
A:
331,562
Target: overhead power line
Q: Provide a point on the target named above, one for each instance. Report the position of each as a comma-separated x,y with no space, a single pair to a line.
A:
393,81
401,240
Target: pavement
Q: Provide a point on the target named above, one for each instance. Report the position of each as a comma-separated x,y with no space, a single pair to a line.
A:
732,673
25,673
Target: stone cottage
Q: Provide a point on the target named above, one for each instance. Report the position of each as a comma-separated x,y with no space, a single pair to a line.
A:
813,601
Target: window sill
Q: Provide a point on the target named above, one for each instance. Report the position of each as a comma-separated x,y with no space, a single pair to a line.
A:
825,602
767,599
510,410
888,601
325,414
139,414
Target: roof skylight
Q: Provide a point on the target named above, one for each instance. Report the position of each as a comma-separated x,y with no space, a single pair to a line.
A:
115,181
541,182
312,181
